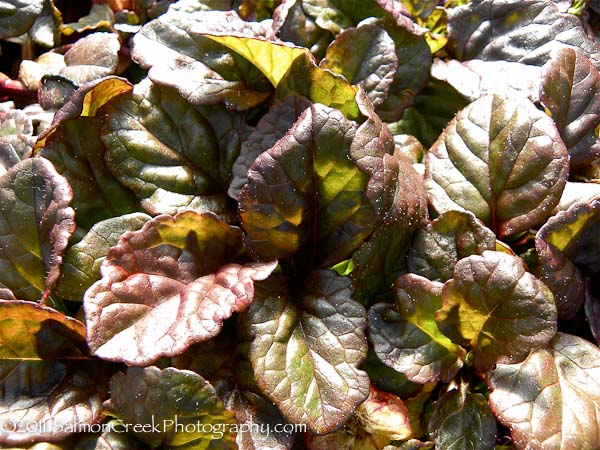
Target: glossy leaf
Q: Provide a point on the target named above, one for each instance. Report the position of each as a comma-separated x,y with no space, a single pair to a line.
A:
414,62
408,338
100,17
203,72
305,194
36,223
92,57
273,125
17,16
497,308
170,399
514,30
571,92
462,420
501,159
161,148
40,394
386,378
168,286
85,102
81,266
476,78
366,56
384,414
565,375
575,233
438,246
306,347
433,108
77,153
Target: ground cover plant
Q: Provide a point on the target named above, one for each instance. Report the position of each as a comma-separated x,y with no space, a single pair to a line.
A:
299,224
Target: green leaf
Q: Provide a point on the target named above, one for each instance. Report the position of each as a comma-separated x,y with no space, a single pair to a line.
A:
501,159
408,339
386,378
366,56
17,16
272,126
571,93
306,347
305,195
77,153
482,28
36,223
182,407
438,246
81,266
203,71
497,308
161,148
565,375
167,286
433,108
420,8
41,391
462,420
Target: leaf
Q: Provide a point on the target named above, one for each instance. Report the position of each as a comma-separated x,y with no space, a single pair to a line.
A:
497,308
571,92
292,24
14,149
386,378
204,72
366,56
414,62
81,266
258,414
272,126
336,15
183,408
77,153
592,307
305,194
305,78
398,196
384,414
462,420
408,339
501,159
574,232
17,16
85,102
452,236
92,57
15,122
36,223
161,148
476,78
100,17
306,347
168,286
40,394
433,108
45,29
514,30
112,439
565,375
